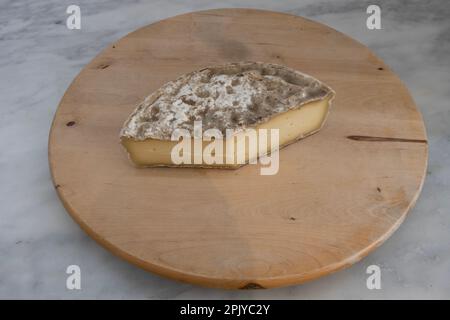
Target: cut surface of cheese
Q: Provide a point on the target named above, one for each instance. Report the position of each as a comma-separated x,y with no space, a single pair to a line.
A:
251,99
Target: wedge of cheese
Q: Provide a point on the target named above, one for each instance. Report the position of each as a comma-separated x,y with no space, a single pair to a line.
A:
243,105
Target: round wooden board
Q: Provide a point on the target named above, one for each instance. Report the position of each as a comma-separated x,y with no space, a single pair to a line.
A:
337,196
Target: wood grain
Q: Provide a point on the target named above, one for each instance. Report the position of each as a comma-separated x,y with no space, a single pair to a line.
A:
336,197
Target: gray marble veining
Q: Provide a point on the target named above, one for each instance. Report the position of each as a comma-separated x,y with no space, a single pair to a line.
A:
39,57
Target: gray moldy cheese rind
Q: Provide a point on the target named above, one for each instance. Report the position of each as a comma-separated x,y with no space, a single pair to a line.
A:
233,96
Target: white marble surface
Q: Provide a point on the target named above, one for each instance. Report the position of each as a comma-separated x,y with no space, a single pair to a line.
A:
39,57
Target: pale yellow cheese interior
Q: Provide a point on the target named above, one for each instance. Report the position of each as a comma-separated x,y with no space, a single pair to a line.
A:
292,125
